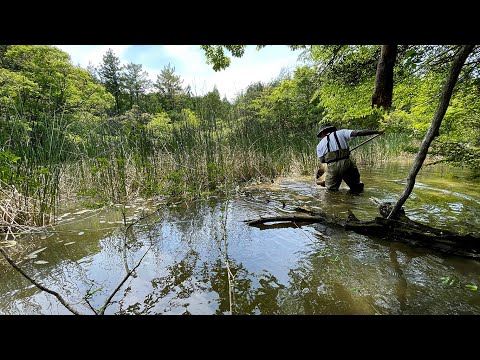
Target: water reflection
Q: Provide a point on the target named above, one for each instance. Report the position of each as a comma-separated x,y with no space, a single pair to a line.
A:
402,284
203,259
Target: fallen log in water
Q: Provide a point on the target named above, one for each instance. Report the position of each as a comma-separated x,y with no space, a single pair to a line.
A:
402,229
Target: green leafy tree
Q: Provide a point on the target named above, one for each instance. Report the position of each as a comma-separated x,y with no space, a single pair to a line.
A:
290,103
3,50
216,56
161,126
42,78
91,68
345,79
15,91
153,103
247,102
48,68
214,107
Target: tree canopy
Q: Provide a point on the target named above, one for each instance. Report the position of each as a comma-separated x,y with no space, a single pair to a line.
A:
42,77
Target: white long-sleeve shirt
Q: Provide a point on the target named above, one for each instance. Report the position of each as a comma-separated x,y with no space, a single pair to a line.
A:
343,137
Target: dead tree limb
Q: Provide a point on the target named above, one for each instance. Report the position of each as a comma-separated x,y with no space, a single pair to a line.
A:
38,285
402,229
289,218
104,307
433,130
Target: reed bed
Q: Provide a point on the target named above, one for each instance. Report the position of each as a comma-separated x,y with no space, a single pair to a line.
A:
116,161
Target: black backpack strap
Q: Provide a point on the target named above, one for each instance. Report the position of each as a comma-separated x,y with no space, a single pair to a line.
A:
340,154
336,138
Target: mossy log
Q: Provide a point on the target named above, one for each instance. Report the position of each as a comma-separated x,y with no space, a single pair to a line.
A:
401,229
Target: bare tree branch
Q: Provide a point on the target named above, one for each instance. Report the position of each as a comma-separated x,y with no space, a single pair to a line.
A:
433,130
38,285
90,306
104,307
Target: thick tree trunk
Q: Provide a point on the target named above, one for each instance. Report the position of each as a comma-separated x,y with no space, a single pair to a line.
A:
433,131
382,95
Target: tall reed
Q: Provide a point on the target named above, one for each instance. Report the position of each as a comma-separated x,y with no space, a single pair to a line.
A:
382,148
39,143
114,160
194,160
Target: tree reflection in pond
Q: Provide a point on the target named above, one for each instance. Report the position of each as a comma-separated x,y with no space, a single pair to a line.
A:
305,269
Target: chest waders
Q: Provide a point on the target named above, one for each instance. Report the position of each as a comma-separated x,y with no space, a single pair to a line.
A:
341,167
340,154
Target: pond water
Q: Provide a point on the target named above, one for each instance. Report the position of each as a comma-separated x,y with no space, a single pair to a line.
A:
201,258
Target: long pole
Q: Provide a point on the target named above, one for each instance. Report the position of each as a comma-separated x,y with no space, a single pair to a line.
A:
373,137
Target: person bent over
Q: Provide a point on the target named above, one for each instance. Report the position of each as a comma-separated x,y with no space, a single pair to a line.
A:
333,150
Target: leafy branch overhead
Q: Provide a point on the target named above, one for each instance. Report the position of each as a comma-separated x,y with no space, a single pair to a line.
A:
216,56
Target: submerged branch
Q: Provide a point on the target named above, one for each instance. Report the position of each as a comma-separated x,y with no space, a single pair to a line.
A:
312,217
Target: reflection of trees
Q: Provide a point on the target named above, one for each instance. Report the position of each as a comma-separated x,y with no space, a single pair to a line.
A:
327,281
302,295
242,297
187,273
248,298
184,279
267,295
401,286
177,281
65,277
323,284
61,273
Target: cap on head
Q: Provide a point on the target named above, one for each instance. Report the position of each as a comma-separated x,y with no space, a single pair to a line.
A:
325,128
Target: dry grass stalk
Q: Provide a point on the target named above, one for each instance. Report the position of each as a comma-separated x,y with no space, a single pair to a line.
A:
18,212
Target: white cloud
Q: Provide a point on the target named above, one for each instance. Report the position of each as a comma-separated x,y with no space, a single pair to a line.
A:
83,54
190,64
253,66
183,52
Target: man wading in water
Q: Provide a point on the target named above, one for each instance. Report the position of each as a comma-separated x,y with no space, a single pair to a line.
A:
333,150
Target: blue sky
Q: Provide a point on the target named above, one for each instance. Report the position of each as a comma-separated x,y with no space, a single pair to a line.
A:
190,63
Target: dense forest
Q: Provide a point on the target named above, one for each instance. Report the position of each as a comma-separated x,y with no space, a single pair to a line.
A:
108,134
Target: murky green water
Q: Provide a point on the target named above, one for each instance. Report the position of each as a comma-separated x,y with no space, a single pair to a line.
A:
203,259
